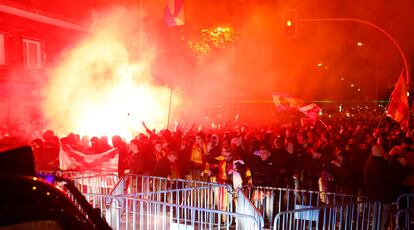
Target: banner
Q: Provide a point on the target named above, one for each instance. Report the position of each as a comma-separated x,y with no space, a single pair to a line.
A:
72,159
284,102
174,13
305,121
398,106
311,110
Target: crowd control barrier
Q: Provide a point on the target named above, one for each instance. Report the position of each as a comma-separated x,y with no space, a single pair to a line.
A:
206,207
135,183
403,219
148,202
359,215
148,214
96,184
404,216
69,174
271,201
218,197
88,182
245,206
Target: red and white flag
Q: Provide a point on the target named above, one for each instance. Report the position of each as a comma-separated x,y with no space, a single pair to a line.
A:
284,102
311,110
306,121
398,105
174,13
72,159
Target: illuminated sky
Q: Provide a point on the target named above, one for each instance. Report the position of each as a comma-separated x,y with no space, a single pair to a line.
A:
260,54
264,61
228,54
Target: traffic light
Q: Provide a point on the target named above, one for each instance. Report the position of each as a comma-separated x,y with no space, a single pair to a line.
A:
290,23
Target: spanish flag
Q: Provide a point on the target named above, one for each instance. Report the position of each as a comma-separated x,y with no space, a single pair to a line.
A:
284,102
398,105
174,13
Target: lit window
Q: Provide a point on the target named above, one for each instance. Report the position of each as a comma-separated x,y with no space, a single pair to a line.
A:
2,55
32,54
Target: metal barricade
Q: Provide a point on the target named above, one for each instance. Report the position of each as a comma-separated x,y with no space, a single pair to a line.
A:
97,184
359,215
107,206
91,205
245,206
404,217
271,201
110,208
204,204
135,183
149,214
69,174
91,182
405,201
161,203
217,197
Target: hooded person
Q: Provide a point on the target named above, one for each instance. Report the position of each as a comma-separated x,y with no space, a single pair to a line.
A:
378,180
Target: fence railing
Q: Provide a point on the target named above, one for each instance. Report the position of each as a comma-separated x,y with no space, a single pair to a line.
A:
217,197
271,201
360,215
404,216
137,201
92,182
135,183
148,214
96,184
403,219
91,207
69,174
245,206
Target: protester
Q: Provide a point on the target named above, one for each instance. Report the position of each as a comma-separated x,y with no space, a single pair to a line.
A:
279,155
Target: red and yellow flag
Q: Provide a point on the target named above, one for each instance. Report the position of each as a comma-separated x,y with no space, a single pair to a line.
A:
174,13
398,105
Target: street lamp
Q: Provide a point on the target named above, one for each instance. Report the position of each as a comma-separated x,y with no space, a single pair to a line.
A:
289,23
403,56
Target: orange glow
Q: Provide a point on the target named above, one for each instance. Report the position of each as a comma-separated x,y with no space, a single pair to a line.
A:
289,23
98,89
214,37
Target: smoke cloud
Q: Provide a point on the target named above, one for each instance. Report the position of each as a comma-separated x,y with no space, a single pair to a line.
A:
104,85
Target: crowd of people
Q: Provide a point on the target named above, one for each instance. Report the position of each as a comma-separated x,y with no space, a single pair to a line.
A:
346,152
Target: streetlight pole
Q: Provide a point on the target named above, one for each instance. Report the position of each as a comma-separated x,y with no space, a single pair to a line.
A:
403,56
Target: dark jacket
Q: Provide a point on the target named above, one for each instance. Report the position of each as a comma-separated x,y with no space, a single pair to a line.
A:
263,173
378,179
142,162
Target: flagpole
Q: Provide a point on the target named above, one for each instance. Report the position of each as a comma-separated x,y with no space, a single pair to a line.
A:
382,117
169,108
386,109
326,127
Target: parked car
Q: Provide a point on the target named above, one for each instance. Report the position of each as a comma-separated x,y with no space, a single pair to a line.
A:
31,202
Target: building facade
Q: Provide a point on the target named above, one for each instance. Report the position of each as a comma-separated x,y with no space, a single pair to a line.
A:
33,35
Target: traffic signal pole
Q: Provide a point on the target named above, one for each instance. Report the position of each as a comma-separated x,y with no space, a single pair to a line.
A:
403,56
